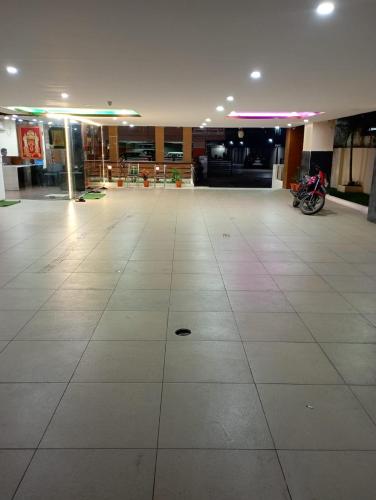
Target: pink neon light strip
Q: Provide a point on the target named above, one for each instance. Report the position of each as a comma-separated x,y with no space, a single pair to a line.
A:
272,115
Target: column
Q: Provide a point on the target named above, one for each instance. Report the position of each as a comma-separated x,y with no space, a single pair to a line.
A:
293,155
159,144
113,139
2,186
318,146
372,198
187,144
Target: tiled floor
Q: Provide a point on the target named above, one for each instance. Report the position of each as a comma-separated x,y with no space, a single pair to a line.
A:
272,396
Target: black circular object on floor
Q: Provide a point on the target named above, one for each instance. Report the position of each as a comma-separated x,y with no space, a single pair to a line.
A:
183,332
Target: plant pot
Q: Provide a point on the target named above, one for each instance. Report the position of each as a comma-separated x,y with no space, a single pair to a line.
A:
178,184
294,186
146,184
350,189
120,183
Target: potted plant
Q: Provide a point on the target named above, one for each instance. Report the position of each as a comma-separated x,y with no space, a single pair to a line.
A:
122,167
145,177
176,177
295,183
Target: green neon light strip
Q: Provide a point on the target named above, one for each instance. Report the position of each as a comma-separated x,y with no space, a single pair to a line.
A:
75,111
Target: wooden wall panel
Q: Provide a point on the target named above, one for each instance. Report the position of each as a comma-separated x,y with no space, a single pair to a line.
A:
293,154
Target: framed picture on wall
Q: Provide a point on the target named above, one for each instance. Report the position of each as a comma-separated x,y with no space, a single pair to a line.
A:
57,137
30,142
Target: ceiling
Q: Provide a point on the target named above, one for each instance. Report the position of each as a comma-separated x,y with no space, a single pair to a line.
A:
174,61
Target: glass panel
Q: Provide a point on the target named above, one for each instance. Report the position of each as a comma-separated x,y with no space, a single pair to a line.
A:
137,144
173,146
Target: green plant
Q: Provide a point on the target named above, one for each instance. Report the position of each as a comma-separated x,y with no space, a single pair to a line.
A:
175,175
360,198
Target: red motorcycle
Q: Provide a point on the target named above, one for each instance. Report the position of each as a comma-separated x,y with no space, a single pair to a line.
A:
310,196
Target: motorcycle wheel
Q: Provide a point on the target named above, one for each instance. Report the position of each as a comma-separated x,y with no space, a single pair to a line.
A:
311,204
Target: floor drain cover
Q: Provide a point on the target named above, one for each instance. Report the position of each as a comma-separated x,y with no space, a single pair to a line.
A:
183,332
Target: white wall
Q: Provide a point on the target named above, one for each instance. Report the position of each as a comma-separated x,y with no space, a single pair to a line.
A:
319,136
363,162
8,137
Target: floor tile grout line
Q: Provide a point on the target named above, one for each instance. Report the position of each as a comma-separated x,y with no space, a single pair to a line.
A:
265,417
163,377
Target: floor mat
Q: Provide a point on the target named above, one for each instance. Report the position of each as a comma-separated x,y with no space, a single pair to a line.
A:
93,196
8,203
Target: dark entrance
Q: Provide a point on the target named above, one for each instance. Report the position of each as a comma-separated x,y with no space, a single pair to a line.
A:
245,157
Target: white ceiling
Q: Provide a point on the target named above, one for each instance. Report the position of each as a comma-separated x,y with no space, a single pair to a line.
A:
174,61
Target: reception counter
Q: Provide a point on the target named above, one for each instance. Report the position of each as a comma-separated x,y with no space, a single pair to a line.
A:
17,177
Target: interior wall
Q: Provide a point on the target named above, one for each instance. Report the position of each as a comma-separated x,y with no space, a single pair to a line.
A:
363,162
8,137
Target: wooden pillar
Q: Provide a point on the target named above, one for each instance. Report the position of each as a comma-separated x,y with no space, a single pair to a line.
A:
159,144
187,144
113,139
293,154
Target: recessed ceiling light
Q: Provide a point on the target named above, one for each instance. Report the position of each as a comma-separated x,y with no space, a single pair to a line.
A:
231,143
201,126
256,75
220,108
34,119
306,121
114,118
270,140
64,95
131,125
241,143
6,117
12,70
277,127
19,120
14,119
230,98
40,121
289,125
124,123
15,116
208,120
325,8
49,123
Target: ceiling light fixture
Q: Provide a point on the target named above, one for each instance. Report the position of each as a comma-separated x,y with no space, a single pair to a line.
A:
256,75
64,95
201,126
49,123
12,70
208,120
6,117
289,125
230,98
220,108
270,115
131,125
306,121
124,123
270,140
19,120
325,8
